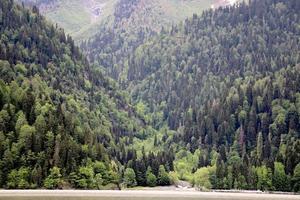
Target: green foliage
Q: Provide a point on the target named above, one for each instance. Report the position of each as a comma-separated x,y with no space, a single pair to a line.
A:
201,178
86,178
259,146
185,163
130,178
264,176
150,178
173,176
241,182
54,179
13,179
163,177
98,181
200,96
36,176
220,173
94,175
20,121
25,138
56,110
220,95
100,168
296,178
280,179
19,178
202,81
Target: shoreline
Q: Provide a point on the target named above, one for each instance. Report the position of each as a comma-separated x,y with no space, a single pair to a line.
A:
145,193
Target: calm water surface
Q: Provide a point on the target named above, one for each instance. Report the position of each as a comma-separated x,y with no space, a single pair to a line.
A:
135,195
108,198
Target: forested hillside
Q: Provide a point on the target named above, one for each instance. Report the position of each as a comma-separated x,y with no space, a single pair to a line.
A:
61,121
213,100
132,23
226,83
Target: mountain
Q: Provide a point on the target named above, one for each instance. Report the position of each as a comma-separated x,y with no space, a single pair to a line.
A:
77,17
132,24
82,18
224,83
213,100
126,23
60,118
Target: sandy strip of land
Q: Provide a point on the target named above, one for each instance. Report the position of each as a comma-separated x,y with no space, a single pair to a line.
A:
143,193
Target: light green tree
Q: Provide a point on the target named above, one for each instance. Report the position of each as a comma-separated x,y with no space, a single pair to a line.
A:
86,177
280,179
130,177
13,179
24,176
21,121
41,126
241,182
98,181
19,178
151,178
201,178
163,177
296,178
264,176
173,176
54,180
26,137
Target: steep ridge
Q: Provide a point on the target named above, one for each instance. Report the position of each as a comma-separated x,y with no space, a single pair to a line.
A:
133,24
56,110
227,85
226,82
215,44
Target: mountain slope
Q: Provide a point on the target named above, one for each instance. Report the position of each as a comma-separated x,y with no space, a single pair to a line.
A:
82,19
59,116
132,24
227,81
227,85
215,44
216,100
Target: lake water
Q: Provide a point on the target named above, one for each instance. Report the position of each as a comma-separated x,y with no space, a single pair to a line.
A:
135,195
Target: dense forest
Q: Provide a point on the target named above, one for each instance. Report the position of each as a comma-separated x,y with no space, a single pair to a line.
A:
214,100
62,122
241,62
132,24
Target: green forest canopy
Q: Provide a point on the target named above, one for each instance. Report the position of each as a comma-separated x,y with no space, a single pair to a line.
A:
214,100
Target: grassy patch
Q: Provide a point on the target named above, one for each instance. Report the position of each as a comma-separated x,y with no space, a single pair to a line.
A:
76,16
